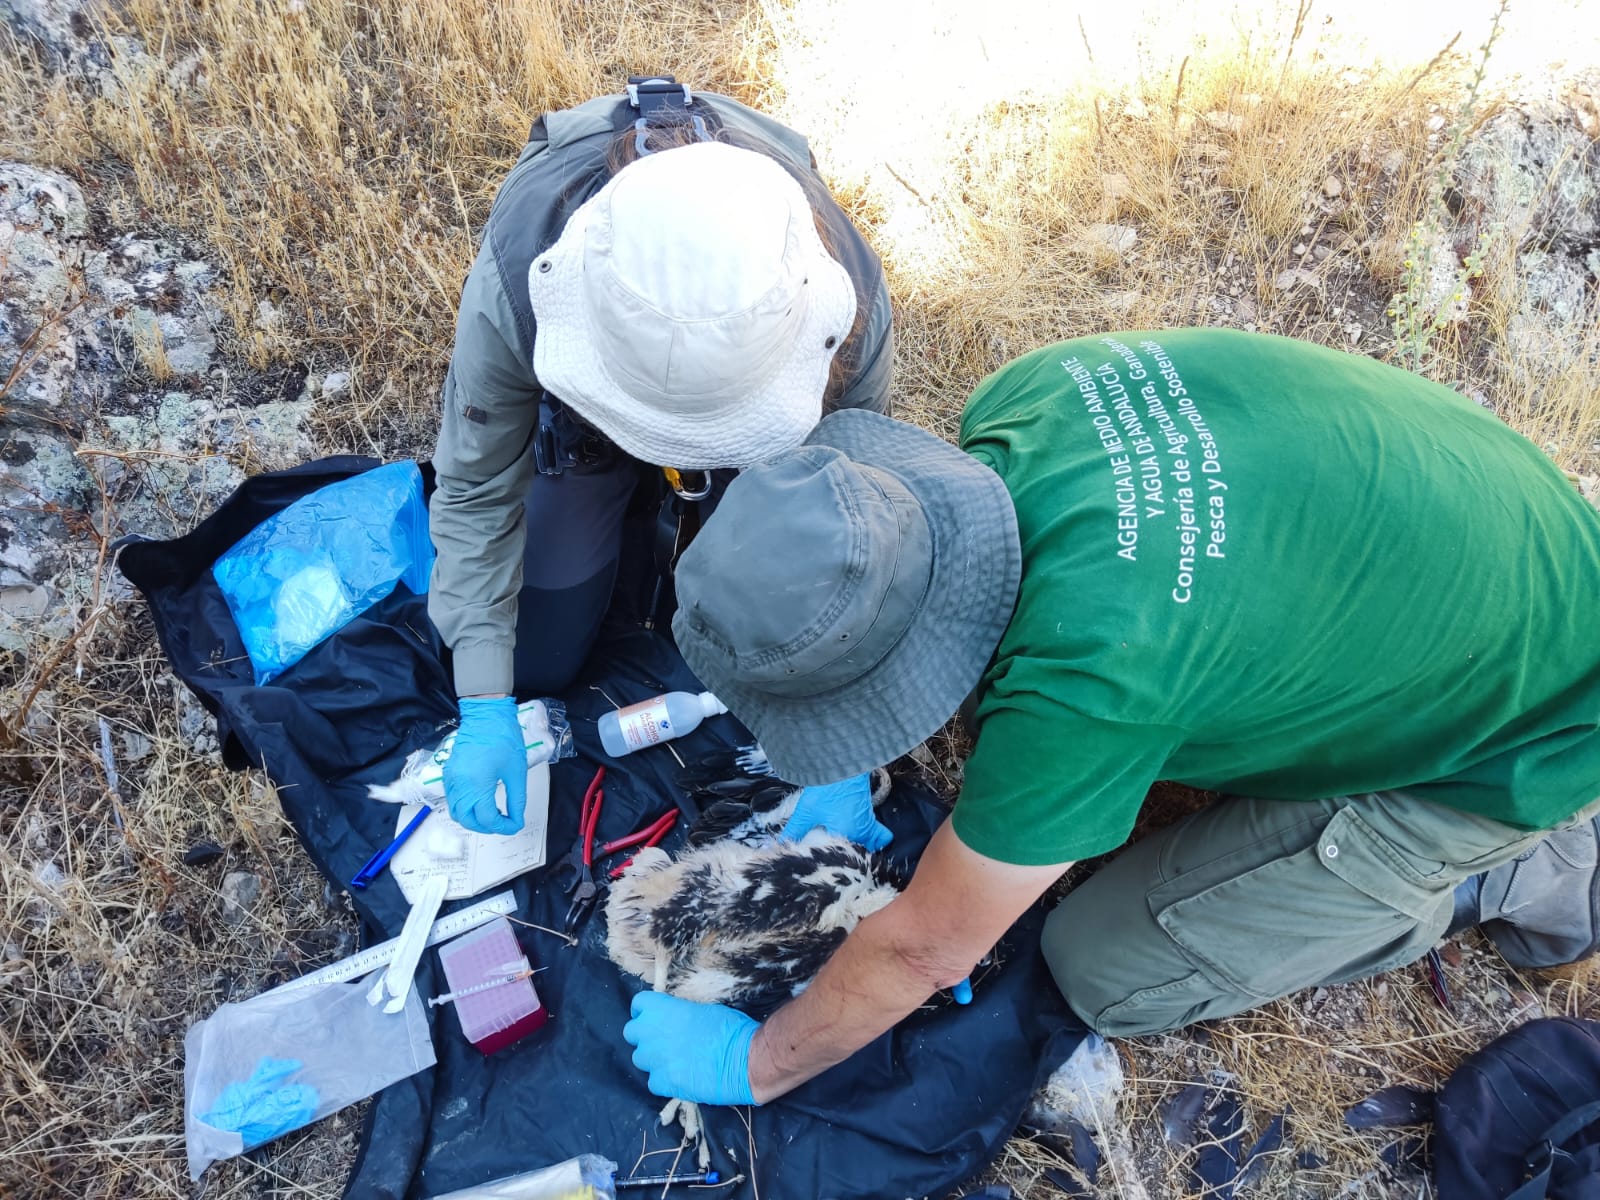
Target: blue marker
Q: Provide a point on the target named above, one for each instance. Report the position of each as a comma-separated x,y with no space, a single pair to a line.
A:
380,860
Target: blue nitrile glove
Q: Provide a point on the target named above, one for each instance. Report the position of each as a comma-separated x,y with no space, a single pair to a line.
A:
843,808
260,1108
692,1051
488,750
962,992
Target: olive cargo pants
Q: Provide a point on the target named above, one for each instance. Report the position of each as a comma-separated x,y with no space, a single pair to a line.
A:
1249,900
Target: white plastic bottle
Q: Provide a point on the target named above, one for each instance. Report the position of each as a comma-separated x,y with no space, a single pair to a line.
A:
651,722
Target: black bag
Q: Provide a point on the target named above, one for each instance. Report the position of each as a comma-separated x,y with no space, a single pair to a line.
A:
923,1108
1520,1119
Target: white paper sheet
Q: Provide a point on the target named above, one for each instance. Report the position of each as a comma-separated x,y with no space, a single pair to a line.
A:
473,862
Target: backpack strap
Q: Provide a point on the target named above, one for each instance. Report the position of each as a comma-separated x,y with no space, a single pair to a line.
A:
1544,1156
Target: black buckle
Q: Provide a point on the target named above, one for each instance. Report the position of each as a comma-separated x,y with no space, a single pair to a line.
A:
563,441
652,94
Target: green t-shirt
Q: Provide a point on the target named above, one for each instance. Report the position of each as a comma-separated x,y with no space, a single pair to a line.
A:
1264,567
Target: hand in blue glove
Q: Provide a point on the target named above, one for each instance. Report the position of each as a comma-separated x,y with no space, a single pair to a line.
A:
691,1051
488,750
843,808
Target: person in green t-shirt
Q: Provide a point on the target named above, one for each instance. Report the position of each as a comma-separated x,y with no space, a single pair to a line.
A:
1342,596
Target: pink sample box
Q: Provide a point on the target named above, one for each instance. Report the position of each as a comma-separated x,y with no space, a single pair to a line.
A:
494,1017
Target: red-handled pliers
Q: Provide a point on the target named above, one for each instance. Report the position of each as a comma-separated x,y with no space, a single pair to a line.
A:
580,859
650,835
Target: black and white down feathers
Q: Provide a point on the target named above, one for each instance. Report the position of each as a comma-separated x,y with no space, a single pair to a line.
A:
740,917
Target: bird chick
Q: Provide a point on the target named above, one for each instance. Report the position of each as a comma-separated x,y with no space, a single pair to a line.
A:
742,924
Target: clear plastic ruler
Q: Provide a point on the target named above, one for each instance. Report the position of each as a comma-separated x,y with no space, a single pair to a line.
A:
364,962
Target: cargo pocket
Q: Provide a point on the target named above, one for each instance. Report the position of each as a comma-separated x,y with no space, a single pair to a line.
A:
1345,906
1166,1007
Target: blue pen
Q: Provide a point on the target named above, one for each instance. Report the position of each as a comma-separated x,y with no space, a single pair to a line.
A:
380,860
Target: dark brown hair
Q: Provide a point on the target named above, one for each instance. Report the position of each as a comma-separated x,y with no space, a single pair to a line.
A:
667,133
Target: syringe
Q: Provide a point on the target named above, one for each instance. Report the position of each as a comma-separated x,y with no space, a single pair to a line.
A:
516,971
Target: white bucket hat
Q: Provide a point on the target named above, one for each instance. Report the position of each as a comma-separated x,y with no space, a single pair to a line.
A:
690,312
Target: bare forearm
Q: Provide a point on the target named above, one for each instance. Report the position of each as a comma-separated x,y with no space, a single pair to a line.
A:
956,907
867,987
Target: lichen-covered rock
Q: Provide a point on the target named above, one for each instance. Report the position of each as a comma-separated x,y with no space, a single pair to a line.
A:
1536,171
118,405
66,37
58,27
1532,173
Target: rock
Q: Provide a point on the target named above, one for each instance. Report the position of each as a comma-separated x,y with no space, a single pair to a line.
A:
1115,185
196,726
1245,309
240,892
1322,253
1226,122
267,315
1300,249
1294,277
135,746
66,38
337,383
24,601
1532,171
1436,123
44,201
51,25
1332,188
1555,287
106,316
1120,238
1446,297
202,853
186,75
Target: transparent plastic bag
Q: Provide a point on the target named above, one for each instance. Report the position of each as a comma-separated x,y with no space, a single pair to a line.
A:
303,573
587,1177
281,1060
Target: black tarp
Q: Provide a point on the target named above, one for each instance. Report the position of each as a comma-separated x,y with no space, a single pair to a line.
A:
914,1114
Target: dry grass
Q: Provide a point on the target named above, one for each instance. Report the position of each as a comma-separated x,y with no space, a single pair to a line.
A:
337,160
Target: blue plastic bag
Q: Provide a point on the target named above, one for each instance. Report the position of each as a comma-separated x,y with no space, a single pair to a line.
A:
301,575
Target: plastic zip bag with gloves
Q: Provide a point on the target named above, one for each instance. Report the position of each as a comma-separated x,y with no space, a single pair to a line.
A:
278,1061
305,572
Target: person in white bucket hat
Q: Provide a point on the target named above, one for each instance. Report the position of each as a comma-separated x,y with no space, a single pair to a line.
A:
702,351
665,292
